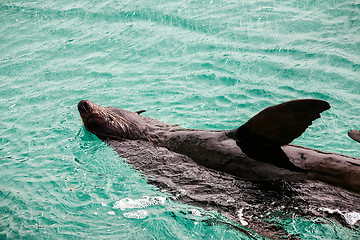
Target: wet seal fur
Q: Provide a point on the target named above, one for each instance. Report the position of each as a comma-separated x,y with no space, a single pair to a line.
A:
258,150
355,135
253,166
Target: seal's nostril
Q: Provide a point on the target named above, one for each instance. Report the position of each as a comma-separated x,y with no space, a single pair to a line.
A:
83,106
86,106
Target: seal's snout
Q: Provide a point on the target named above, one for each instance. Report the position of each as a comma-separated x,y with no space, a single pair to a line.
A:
84,106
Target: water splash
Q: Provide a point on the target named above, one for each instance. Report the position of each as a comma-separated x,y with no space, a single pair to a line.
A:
129,203
350,218
139,214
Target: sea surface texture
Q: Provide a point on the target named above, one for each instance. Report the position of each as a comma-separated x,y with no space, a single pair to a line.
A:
200,64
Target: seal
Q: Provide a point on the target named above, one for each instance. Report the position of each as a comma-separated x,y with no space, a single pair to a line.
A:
355,135
258,150
232,170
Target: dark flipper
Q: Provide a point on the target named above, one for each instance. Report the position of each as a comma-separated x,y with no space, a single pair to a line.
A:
268,153
263,135
354,135
140,112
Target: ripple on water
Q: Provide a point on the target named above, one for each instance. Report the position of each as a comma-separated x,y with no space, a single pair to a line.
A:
201,64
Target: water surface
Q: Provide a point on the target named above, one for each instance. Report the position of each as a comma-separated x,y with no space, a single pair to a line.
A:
200,64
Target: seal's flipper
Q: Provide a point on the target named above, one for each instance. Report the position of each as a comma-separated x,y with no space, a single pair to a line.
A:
276,126
140,112
355,135
268,153
281,124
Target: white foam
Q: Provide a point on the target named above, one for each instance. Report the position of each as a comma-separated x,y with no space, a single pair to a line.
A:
111,212
129,203
195,212
182,192
230,200
331,211
139,214
351,217
241,218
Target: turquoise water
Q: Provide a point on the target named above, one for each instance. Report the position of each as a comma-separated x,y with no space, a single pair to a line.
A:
200,64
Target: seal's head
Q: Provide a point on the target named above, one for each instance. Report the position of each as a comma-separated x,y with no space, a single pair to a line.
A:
110,123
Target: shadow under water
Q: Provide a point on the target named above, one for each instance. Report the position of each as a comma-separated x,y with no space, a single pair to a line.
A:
256,205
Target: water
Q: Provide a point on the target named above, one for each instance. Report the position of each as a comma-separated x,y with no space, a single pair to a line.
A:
201,64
